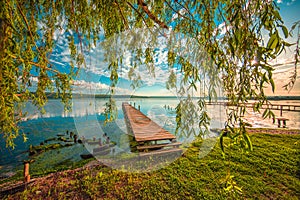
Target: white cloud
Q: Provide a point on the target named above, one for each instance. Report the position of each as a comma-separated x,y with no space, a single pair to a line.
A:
34,79
291,2
86,87
56,62
80,85
181,12
97,66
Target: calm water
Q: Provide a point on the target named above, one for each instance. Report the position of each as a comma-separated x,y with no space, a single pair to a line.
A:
257,121
86,120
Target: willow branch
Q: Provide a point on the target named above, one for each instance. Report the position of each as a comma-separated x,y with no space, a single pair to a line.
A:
140,16
122,15
150,15
176,11
222,16
185,9
289,86
30,33
77,30
36,64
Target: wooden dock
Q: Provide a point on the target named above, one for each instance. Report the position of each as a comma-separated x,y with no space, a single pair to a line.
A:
146,131
280,107
142,127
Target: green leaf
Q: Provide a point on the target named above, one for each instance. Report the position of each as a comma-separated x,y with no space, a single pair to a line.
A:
16,98
222,143
277,15
248,141
272,43
294,25
272,85
285,31
266,113
287,44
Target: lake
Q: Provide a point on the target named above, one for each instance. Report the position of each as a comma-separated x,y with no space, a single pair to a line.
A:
86,120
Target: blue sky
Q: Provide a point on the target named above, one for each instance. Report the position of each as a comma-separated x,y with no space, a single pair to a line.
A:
95,78
289,10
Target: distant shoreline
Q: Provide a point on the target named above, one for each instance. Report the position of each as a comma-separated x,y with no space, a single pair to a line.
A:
105,96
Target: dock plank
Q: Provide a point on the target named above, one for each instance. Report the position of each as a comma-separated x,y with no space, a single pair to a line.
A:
142,127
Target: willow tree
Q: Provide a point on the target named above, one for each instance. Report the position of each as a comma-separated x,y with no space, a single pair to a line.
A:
239,38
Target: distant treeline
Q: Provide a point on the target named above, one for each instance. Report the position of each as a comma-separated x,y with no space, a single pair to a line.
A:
277,98
76,95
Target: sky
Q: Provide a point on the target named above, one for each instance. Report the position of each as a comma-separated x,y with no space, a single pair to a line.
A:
94,79
289,10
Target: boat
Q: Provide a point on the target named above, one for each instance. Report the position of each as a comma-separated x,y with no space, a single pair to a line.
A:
101,151
103,147
92,142
86,156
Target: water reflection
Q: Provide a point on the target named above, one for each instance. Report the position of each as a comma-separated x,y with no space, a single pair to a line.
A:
54,108
257,121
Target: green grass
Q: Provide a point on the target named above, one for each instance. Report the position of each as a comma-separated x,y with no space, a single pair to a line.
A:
271,171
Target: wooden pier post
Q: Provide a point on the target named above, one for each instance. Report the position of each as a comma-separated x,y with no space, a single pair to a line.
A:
26,172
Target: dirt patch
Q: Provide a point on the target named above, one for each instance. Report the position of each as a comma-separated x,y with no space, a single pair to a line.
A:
46,182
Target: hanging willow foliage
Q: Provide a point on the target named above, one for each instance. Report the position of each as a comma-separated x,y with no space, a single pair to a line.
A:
232,33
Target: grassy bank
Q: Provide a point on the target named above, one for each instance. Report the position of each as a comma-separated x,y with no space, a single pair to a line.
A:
271,171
